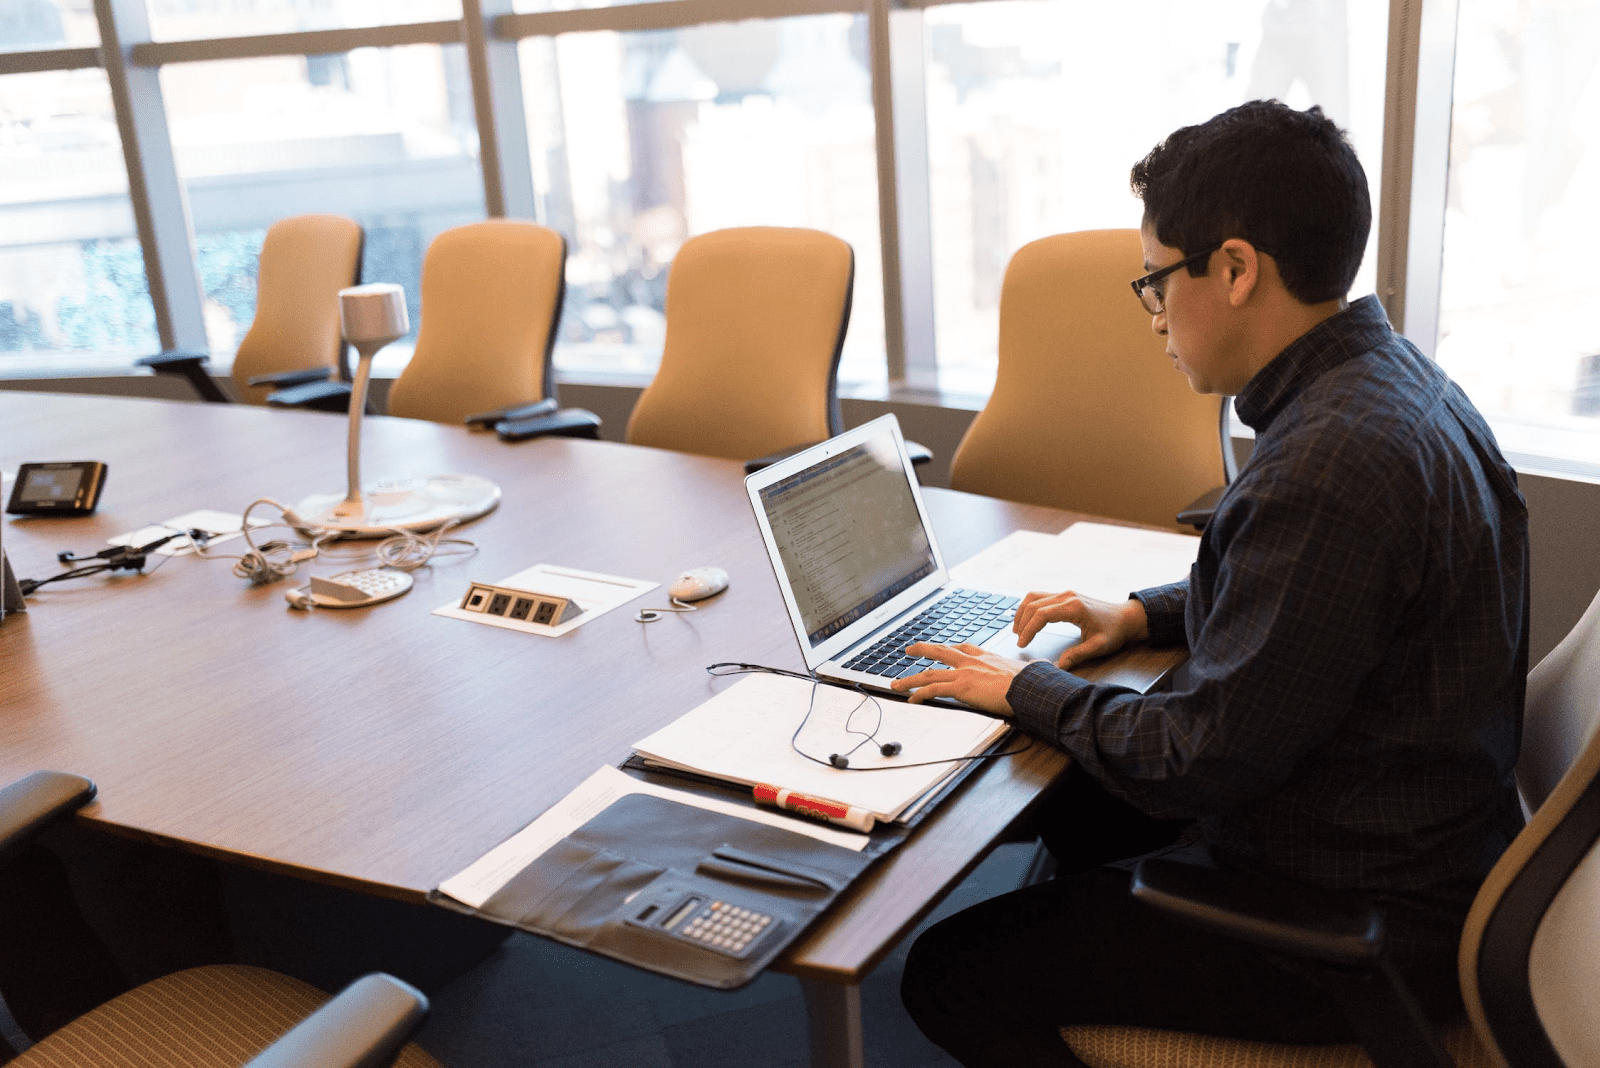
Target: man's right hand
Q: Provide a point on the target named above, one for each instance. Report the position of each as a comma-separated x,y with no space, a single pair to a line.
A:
1106,626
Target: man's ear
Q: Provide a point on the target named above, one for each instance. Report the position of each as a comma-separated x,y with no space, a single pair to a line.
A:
1241,269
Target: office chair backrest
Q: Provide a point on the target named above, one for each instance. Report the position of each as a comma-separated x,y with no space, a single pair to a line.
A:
491,302
305,261
1530,953
756,318
1087,412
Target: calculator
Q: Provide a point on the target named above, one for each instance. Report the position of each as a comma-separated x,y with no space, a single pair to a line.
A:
706,921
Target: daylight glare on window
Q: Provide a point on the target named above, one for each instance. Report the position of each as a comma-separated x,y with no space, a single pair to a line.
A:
71,276
383,135
182,20
1037,109
640,140
1517,325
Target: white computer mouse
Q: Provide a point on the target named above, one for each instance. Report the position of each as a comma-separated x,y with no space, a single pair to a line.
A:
698,583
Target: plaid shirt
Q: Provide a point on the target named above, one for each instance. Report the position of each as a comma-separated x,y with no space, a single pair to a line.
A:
1357,628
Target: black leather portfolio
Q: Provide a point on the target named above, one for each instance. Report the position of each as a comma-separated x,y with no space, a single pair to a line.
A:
679,890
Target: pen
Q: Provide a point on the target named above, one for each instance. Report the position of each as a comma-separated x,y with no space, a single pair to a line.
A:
857,819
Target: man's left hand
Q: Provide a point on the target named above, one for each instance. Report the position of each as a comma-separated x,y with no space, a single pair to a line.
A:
974,677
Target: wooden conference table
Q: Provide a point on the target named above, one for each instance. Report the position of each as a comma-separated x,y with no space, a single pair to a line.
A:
384,749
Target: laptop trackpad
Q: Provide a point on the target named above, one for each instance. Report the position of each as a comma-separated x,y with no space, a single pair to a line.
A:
1048,644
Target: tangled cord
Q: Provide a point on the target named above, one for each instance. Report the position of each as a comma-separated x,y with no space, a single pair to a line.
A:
276,559
406,550
273,560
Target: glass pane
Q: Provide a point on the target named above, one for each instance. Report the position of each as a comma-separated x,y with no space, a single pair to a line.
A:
521,6
26,25
641,140
183,20
386,136
72,284
1037,109
1517,326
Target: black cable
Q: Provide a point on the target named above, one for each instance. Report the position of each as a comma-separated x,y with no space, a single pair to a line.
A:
723,668
116,558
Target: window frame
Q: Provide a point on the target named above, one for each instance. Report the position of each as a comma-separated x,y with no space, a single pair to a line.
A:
1421,57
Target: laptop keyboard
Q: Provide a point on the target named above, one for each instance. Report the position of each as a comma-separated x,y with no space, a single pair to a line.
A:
959,616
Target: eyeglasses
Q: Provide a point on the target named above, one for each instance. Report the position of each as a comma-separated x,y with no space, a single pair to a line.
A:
1150,289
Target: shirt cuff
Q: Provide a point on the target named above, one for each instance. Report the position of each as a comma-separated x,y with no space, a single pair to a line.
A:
1163,611
1038,695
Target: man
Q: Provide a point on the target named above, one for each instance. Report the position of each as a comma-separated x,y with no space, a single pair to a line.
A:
1356,623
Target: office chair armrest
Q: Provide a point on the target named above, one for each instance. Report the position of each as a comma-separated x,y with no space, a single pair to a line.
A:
35,800
566,423
1307,921
512,413
186,364
285,379
363,1027
1198,513
920,455
331,395
173,361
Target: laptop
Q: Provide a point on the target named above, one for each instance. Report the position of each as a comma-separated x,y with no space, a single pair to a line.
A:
861,573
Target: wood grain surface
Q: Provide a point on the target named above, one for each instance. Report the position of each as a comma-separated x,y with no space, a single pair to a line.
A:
385,748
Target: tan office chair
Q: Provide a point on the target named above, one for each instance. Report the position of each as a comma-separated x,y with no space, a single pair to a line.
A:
756,318
219,1016
294,337
1530,950
1087,412
491,302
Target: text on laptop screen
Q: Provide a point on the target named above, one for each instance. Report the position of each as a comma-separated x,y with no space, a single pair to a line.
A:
848,535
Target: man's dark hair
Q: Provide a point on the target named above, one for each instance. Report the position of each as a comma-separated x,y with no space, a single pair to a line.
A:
1286,181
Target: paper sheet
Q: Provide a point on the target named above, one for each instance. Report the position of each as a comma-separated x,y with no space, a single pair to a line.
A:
222,526
1097,559
480,880
595,593
743,735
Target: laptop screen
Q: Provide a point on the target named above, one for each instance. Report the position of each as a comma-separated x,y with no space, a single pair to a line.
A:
848,534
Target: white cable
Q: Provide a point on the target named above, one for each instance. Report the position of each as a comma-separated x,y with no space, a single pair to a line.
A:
272,560
650,615
407,550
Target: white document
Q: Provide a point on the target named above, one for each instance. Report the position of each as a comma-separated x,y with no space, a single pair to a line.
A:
593,592
481,880
743,735
222,526
1096,559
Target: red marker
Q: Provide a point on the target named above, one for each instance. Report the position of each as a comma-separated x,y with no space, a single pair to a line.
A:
819,808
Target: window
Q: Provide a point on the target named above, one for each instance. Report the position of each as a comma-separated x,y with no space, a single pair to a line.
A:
640,140
644,130
384,135
1037,109
1517,326
29,24
72,282
182,20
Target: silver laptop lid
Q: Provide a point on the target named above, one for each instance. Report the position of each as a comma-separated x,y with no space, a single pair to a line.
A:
848,536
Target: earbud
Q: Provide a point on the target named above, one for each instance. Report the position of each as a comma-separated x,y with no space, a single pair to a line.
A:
838,760
889,748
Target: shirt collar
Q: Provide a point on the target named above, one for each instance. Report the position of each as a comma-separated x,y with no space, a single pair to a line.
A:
1357,329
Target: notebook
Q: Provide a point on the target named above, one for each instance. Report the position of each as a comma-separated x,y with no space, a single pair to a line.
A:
861,573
